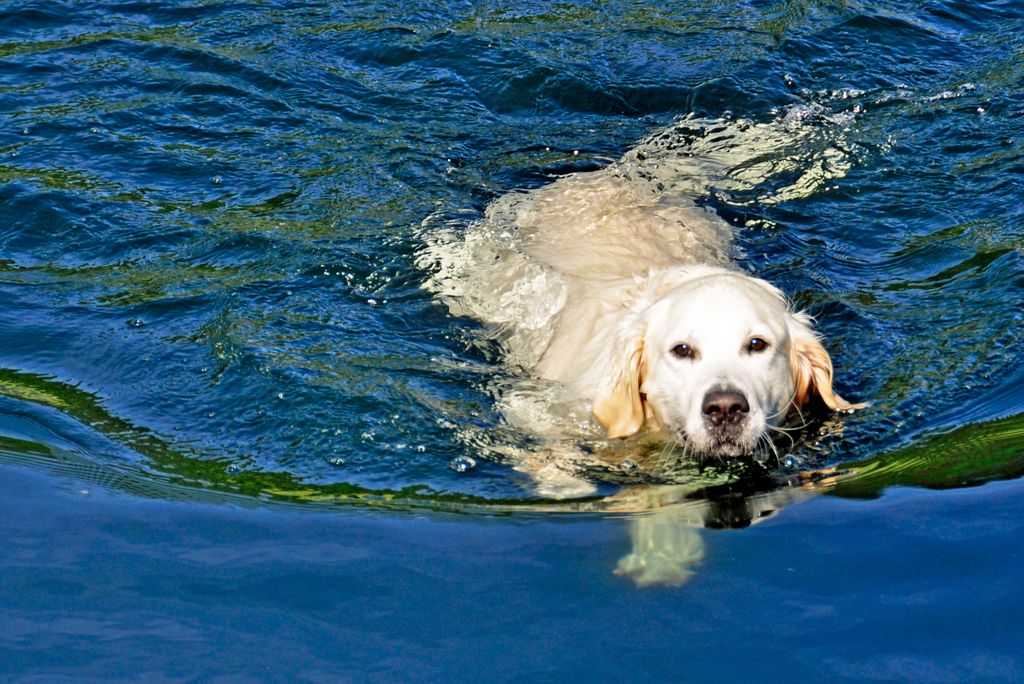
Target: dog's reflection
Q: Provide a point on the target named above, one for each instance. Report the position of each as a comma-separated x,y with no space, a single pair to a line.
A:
670,499
668,523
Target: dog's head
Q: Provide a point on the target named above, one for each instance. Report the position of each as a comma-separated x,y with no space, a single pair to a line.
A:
720,361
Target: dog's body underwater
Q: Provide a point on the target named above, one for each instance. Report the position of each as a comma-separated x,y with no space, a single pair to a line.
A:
619,289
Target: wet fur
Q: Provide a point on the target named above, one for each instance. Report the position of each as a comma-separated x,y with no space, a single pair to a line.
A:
589,281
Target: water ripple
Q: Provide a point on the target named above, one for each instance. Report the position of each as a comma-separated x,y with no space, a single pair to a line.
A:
213,210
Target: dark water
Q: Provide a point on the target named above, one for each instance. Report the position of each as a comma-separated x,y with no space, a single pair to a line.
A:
212,322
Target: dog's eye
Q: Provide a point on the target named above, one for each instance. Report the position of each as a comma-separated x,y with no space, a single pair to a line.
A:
683,351
757,344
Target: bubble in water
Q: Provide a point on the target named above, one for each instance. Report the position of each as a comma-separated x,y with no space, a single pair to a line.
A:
337,461
135,323
233,469
792,462
461,464
216,180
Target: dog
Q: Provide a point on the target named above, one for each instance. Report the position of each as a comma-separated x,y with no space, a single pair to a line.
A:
618,290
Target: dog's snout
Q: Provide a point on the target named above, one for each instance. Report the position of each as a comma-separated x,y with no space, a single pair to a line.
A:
725,408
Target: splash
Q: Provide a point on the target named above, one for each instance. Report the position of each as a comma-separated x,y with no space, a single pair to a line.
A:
793,156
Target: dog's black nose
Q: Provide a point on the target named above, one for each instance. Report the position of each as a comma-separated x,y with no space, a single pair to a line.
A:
725,408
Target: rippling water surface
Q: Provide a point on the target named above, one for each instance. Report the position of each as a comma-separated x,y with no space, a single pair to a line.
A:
212,212
212,230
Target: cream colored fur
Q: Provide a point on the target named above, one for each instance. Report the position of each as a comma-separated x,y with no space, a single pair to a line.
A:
591,281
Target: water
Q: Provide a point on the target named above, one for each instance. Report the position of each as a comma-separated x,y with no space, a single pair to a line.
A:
213,314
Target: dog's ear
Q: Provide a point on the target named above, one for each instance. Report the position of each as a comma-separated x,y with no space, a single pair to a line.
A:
620,408
812,370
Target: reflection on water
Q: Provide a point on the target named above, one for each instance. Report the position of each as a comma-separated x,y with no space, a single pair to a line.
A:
667,540
667,522
213,215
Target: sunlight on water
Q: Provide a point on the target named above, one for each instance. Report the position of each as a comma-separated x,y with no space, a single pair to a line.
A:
220,222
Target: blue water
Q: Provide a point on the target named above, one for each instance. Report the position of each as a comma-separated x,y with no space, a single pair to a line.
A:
228,408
